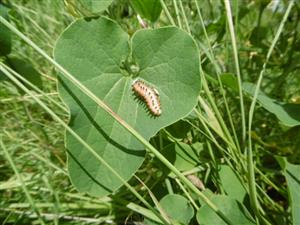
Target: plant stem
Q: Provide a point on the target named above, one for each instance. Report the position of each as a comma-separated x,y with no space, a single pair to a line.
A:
185,18
237,68
177,14
218,72
252,188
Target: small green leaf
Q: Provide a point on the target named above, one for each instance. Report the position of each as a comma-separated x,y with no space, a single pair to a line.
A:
5,34
179,129
229,80
187,156
258,35
26,70
96,52
183,156
231,183
231,208
292,175
177,208
149,9
216,29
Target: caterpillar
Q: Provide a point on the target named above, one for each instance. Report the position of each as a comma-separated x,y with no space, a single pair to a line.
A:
150,96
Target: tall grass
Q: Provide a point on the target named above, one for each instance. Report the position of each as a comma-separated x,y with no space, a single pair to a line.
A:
33,163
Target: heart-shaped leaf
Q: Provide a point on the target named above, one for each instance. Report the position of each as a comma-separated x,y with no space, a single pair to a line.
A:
97,52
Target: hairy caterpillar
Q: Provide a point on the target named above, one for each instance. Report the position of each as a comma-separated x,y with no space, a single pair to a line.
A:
149,94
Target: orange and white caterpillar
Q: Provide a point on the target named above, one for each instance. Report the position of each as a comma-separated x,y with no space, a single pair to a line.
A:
149,94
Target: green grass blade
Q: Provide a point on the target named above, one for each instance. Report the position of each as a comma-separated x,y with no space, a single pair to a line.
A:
16,171
165,8
177,14
184,17
237,67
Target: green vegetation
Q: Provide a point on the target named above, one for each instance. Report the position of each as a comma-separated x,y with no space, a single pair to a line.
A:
78,146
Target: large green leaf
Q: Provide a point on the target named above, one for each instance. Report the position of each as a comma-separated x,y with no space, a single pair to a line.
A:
149,9
93,52
5,35
292,175
231,208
